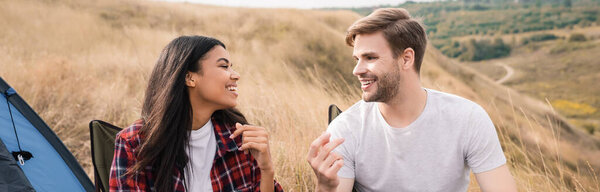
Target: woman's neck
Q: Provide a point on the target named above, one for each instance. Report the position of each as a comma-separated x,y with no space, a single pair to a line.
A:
199,120
201,113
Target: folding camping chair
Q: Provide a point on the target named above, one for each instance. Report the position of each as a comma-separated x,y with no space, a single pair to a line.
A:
102,136
334,111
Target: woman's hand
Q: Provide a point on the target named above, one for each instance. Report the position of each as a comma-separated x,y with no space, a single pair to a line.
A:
256,140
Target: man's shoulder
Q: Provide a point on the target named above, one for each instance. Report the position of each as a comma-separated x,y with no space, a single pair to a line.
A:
356,111
352,116
458,108
451,102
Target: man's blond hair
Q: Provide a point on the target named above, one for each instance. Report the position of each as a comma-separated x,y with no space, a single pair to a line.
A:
399,29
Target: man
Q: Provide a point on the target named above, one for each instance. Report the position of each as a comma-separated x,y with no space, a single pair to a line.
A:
402,137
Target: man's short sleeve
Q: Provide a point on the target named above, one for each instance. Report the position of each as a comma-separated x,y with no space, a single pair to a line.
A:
339,129
483,150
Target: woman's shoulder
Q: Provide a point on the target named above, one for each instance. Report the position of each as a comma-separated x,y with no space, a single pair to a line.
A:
131,134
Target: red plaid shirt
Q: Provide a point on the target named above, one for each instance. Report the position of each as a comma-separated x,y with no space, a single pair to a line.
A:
232,170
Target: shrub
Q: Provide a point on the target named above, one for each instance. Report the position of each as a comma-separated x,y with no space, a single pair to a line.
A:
573,109
542,37
589,128
577,37
474,50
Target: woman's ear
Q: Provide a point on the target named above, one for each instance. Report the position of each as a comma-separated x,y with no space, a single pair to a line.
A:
189,80
408,58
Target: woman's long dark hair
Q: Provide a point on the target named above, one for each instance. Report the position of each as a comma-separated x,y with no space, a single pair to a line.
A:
167,111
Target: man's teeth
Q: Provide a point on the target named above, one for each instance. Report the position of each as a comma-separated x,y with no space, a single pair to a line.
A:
367,82
232,88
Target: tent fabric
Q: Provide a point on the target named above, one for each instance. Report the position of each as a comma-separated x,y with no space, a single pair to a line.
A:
12,177
53,167
102,136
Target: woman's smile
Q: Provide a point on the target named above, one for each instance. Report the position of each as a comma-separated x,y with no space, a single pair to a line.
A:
232,88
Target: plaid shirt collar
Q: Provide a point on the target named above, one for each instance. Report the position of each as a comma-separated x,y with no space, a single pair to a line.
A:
224,143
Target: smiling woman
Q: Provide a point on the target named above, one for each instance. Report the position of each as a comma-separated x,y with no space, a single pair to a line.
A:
217,82
187,137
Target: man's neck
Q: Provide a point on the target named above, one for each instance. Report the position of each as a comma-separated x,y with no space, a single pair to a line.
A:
406,107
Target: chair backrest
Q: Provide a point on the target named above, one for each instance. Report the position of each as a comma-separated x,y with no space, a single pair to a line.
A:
334,111
102,136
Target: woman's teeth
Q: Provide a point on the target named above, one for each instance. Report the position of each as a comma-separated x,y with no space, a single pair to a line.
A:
231,88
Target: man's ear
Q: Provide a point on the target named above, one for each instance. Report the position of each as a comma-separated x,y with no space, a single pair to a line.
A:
407,58
189,80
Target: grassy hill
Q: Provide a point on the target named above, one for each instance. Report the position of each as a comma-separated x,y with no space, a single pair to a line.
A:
78,60
562,71
446,20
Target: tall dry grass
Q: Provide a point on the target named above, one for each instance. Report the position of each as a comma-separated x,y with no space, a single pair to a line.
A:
75,61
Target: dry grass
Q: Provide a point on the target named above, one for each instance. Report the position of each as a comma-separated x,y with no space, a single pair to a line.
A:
75,61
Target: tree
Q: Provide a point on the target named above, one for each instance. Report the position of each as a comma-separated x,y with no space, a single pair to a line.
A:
568,3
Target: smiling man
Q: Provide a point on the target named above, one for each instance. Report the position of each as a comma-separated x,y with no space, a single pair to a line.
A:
401,136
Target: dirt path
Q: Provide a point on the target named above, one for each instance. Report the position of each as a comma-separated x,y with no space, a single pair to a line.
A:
509,72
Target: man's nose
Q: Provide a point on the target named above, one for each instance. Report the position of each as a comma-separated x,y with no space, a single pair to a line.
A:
359,69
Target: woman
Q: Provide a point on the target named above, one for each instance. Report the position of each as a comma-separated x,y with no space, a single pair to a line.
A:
190,138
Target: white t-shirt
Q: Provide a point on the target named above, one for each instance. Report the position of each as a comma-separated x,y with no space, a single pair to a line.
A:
201,151
434,153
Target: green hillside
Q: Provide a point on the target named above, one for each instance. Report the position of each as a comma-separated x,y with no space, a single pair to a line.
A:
449,19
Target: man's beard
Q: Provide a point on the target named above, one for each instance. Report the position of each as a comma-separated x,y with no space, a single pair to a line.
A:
387,87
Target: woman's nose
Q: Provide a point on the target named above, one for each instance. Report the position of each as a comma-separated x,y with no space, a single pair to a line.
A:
235,75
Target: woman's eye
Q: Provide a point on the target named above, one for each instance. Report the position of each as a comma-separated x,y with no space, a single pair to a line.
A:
224,66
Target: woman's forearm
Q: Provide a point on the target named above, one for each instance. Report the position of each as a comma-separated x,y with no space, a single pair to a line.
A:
267,180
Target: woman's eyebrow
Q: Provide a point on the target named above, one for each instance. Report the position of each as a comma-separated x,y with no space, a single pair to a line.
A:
223,59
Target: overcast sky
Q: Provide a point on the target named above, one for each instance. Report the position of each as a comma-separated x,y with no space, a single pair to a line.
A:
301,4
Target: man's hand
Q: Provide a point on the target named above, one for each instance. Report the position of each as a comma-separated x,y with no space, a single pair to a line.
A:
324,163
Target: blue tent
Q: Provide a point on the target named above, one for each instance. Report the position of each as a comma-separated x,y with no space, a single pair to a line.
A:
32,157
